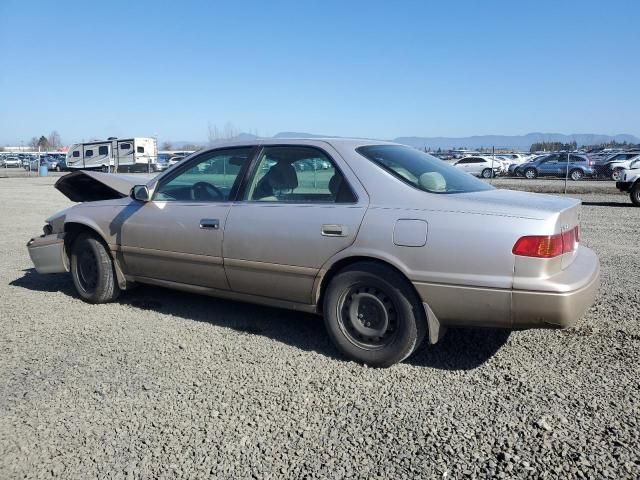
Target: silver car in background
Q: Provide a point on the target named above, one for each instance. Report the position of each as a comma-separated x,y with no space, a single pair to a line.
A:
389,244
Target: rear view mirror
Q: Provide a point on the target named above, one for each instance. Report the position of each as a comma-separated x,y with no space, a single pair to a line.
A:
140,193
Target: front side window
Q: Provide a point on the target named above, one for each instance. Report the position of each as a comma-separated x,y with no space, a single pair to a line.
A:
75,154
125,146
104,150
297,175
211,179
421,170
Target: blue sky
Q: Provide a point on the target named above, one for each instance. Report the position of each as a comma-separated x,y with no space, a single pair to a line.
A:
370,69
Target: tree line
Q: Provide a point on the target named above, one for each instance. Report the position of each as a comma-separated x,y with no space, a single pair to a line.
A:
45,144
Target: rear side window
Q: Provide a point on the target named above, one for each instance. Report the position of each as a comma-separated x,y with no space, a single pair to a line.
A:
88,153
297,174
104,150
421,170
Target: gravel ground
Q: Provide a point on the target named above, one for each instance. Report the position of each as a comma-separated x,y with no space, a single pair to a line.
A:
164,384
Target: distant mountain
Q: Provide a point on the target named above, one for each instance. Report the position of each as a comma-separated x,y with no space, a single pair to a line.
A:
519,142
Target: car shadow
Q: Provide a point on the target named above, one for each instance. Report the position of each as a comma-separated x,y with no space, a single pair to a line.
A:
460,349
608,204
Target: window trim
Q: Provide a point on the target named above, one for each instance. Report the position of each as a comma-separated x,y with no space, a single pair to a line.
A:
254,167
190,163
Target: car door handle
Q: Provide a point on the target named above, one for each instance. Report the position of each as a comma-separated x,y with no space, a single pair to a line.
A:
334,230
212,223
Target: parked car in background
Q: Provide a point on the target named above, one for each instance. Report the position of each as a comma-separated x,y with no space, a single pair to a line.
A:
556,165
52,163
480,166
388,243
629,182
513,169
613,167
12,162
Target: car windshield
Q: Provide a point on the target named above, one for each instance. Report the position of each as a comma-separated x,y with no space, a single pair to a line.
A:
421,170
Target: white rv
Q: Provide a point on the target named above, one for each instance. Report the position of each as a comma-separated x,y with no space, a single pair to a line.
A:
115,154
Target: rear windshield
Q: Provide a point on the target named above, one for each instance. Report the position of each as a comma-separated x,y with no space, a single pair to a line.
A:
421,170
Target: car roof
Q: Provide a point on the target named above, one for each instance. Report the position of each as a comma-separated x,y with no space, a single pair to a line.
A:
333,141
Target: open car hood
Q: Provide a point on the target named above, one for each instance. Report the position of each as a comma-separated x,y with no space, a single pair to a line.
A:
87,186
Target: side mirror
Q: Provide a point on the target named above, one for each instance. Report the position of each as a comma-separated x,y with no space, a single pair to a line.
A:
140,193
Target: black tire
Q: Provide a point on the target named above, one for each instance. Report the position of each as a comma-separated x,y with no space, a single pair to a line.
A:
486,173
58,169
530,173
635,194
387,300
576,174
92,270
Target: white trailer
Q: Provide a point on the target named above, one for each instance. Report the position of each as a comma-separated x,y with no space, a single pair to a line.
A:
114,155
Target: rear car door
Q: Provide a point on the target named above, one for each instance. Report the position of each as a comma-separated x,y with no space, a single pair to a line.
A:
177,236
301,205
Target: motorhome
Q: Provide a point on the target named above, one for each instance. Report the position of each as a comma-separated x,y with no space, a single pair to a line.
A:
114,155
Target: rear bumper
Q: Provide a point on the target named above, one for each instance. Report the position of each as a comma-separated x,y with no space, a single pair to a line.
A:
48,254
559,309
559,303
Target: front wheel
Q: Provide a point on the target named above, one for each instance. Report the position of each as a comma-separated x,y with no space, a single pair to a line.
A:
373,315
576,175
486,173
616,174
530,173
635,194
92,270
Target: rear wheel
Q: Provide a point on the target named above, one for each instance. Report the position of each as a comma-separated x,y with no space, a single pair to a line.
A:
92,270
373,315
486,173
635,194
576,174
530,173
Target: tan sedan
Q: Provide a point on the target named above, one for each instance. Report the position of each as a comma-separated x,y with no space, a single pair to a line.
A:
388,243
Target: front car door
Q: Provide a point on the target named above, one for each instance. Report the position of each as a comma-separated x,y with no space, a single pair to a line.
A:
300,206
177,236
549,166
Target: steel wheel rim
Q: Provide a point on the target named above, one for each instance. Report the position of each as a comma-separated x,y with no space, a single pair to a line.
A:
367,316
87,271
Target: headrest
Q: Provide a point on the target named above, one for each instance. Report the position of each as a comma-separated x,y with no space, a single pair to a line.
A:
433,182
334,183
282,176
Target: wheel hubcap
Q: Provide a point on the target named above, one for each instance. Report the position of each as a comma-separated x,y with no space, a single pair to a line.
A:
367,317
87,271
530,174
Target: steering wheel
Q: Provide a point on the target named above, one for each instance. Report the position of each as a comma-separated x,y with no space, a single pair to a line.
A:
206,191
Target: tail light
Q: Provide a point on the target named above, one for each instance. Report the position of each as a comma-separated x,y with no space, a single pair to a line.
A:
547,246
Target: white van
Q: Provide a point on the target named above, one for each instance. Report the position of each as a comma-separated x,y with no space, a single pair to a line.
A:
120,155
